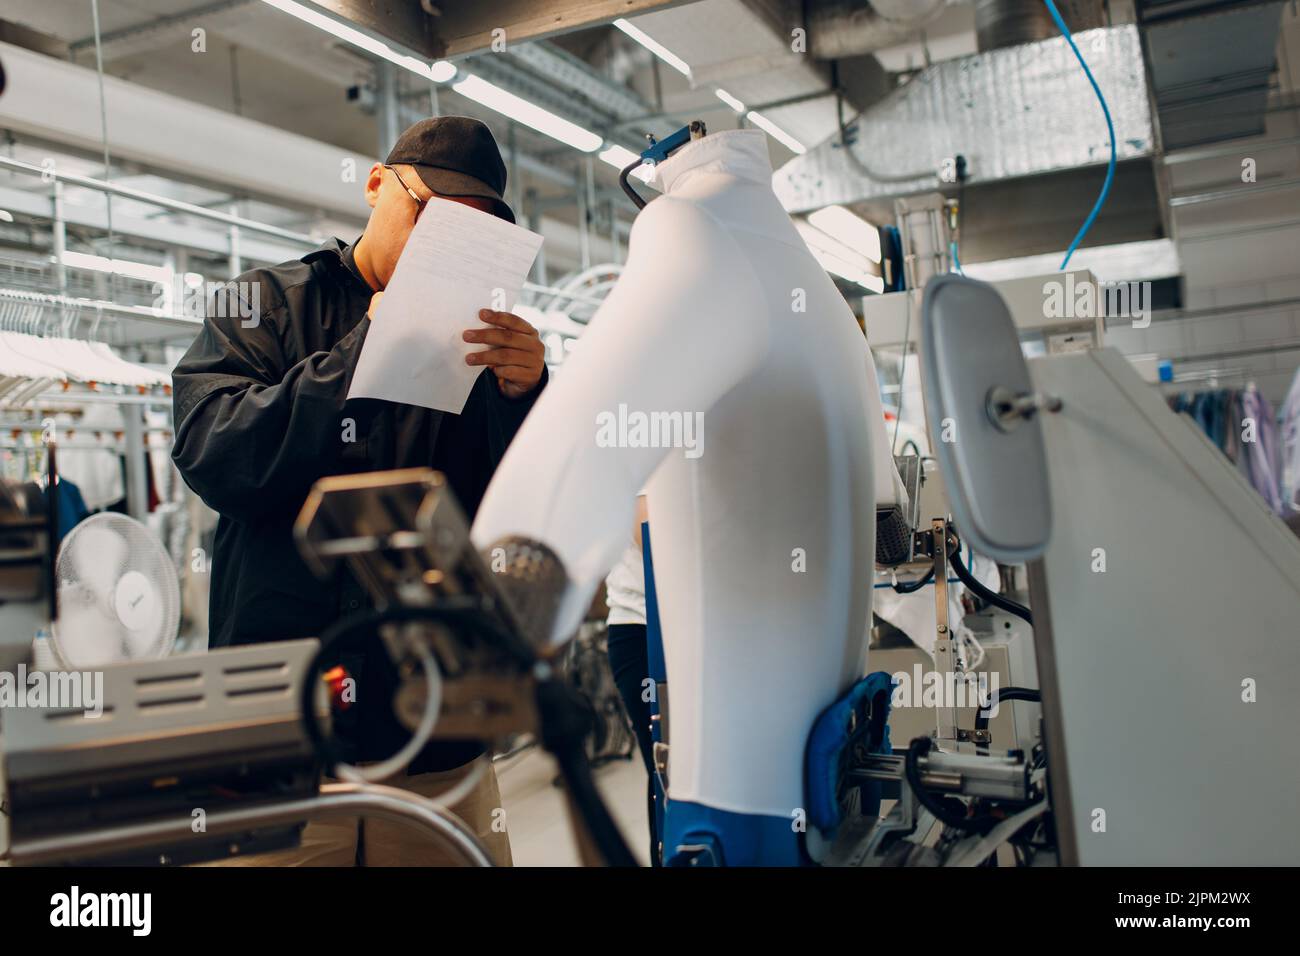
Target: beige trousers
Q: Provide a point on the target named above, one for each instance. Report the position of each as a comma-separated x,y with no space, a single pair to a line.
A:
362,842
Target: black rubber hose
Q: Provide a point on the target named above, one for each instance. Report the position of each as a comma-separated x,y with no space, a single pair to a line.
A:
365,624
983,593
915,585
627,186
943,813
564,725
1006,693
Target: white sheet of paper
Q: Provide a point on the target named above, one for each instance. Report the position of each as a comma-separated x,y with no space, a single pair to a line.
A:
457,260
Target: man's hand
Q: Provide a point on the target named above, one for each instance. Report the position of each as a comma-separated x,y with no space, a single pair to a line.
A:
374,304
517,357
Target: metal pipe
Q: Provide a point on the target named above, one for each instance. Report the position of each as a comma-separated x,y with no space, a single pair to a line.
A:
154,200
137,463
334,800
60,237
562,293
589,172
533,219
387,109
236,264
155,26
584,238
1247,308
615,247
1234,193
1234,149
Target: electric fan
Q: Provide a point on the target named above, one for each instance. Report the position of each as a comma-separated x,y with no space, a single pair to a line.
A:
119,597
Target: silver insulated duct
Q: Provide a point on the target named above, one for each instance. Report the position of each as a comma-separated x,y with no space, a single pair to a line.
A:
845,28
1035,145
1004,23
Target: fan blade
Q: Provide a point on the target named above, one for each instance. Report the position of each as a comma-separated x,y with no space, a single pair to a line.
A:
87,637
97,557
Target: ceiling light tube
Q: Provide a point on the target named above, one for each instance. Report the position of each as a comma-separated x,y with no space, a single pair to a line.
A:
776,132
818,240
847,227
438,72
620,157
837,258
730,100
530,114
654,46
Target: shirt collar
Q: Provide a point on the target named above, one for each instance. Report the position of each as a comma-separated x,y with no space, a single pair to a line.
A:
738,152
335,251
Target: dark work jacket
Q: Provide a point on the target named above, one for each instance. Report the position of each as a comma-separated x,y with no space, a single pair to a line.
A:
261,413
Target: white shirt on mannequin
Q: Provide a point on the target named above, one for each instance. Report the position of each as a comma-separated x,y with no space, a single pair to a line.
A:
764,535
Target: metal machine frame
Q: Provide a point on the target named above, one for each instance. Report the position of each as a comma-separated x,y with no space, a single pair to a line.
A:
218,733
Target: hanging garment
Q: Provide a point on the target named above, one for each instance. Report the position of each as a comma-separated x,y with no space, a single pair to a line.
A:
625,588
1232,435
72,507
1262,453
1289,448
97,472
764,528
915,614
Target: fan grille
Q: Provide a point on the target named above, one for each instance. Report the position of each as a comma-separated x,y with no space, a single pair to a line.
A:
119,596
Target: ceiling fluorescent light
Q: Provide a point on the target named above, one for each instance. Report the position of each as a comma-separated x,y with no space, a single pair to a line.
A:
838,259
438,72
619,156
816,239
530,114
654,46
856,233
776,132
442,71
838,268
730,100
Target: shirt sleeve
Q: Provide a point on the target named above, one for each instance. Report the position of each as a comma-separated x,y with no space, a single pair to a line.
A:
685,323
254,432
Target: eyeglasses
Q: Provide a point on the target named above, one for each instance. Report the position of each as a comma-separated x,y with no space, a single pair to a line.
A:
419,203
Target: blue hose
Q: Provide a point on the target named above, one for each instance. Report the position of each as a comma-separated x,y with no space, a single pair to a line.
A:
1110,126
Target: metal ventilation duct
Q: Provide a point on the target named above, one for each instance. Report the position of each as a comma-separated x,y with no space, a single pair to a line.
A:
1210,67
1032,134
844,28
1003,23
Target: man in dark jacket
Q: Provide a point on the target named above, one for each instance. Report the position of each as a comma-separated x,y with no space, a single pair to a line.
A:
262,412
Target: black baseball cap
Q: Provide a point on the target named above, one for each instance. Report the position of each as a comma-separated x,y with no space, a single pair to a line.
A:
455,156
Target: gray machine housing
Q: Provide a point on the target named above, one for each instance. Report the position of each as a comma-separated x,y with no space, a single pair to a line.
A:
1165,626
202,731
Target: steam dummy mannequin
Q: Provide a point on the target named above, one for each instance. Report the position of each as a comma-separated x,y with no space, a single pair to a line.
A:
763,530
